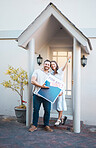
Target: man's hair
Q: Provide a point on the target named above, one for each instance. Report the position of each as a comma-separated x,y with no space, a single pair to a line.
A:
47,61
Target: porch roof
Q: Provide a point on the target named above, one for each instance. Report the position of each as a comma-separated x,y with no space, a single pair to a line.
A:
45,27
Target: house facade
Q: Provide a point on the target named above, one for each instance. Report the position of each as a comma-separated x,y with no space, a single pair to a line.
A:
54,37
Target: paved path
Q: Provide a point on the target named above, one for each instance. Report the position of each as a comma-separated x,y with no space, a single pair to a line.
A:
16,135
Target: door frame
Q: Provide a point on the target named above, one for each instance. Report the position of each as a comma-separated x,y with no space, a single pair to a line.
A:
66,49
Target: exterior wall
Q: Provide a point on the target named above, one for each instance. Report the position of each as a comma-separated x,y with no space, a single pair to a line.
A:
11,54
88,88
18,15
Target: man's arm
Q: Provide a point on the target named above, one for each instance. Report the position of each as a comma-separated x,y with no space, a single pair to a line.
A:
34,82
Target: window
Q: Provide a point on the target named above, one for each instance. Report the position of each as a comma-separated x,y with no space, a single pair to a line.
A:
61,57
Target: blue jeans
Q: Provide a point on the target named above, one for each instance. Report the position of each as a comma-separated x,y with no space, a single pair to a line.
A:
36,107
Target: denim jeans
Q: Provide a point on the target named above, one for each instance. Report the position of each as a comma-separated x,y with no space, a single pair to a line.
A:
36,107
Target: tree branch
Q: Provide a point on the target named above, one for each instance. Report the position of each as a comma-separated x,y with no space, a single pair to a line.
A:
15,90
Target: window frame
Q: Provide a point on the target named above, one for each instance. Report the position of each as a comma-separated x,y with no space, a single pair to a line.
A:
55,49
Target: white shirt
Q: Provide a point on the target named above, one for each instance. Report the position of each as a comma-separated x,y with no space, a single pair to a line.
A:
41,77
59,74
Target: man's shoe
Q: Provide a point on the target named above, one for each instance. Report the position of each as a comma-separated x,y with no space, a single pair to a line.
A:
58,122
64,120
47,128
32,128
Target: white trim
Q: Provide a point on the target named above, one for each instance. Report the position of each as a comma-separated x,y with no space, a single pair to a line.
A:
31,53
9,34
76,85
62,48
26,36
74,32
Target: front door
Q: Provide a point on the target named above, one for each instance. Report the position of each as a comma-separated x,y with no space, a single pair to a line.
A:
60,56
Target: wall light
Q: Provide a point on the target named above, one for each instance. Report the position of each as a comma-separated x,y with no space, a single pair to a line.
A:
39,60
83,61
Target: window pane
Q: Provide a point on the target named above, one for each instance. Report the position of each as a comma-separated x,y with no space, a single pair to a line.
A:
62,53
54,58
62,61
69,54
69,93
69,73
61,57
64,79
69,76
54,53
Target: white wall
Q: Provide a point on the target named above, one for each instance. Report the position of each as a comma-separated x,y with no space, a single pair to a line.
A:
11,54
18,14
88,89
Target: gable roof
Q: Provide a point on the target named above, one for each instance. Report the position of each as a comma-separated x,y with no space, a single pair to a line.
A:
52,10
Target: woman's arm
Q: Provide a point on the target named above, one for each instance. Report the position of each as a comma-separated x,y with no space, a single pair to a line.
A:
66,63
61,93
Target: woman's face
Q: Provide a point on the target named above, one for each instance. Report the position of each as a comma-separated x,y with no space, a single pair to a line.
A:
53,65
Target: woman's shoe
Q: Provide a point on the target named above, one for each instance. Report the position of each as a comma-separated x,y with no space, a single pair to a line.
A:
64,120
57,122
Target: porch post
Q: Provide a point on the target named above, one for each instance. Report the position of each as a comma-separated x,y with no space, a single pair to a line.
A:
76,85
31,52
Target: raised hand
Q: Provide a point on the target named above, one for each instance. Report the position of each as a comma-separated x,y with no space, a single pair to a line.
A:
68,58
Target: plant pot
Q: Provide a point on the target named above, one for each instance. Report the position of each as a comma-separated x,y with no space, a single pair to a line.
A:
20,114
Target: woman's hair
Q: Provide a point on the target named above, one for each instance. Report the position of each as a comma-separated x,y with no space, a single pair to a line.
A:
57,67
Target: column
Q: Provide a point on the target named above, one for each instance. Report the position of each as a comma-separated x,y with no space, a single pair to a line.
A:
76,85
31,54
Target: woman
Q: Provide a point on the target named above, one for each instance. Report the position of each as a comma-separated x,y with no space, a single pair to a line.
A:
60,103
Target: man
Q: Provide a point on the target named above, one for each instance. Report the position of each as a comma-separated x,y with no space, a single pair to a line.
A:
38,78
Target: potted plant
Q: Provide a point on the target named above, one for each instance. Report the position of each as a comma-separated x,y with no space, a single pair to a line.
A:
18,79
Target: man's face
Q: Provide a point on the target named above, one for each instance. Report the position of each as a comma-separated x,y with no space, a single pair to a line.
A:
46,65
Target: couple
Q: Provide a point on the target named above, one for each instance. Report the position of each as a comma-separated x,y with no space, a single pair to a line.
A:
38,79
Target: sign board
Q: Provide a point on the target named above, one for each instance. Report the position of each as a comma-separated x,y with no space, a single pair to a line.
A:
55,86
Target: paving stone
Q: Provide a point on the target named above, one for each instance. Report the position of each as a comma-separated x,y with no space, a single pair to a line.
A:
15,135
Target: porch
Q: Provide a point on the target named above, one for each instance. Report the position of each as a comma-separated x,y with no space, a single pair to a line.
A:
52,30
14,134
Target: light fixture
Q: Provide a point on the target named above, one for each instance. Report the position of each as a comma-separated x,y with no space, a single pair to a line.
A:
39,60
83,61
